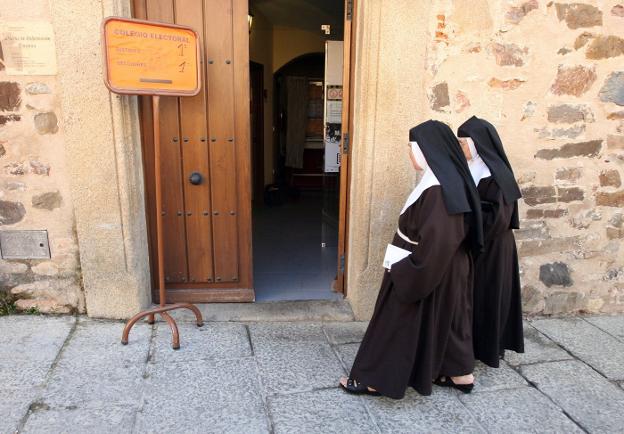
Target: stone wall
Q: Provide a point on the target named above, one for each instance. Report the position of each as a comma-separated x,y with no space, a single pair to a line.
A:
550,76
34,187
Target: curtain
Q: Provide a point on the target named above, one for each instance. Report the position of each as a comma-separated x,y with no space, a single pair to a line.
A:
296,120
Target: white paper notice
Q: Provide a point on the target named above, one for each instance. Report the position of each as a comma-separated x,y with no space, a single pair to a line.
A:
28,48
394,254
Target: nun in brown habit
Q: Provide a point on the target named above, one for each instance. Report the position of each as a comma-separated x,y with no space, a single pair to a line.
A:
497,324
421,328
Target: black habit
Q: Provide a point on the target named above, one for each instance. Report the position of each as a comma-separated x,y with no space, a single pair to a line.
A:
422,323
497,322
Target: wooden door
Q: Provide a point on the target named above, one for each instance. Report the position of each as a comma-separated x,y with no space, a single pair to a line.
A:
347,127
205,159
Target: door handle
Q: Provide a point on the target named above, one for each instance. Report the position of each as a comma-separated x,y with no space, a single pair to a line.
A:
195,178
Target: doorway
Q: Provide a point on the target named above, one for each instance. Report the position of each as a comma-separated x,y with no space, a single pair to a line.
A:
225,153
296,224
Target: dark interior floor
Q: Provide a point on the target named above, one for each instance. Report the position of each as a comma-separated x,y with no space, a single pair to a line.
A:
290,262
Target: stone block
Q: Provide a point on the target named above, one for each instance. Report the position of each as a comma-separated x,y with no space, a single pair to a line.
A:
319,411
610,178
39,168
439,96
532,299
578,15
613,88
48,200
46,123
615,141
559,302
604,47
587,398
10,99
598,349
199,397
560,133
104,420
523,410
47,268
515,14
11,212
613,199
345,333
510,84
617,10
538,213
552,245
508,54
568,174
569,194
440,412
4,119
569,113
535,195
582,40
533,230
37,88
537,348
212,341
573,80
590,148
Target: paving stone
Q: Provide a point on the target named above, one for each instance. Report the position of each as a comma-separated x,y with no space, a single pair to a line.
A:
199,397
503,377
592,401
212,341
98,342
523,409
347,354
537,348
74,383
614,325
109,419
37,339
298,367
441,412
18,374
345,332
14,404
278,333
319,411
587,342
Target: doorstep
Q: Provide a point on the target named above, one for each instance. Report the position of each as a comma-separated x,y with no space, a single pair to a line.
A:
305,310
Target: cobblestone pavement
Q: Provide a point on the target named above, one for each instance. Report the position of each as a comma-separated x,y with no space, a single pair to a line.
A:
67,374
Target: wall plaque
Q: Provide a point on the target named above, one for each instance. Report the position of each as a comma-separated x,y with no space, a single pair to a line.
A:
28,48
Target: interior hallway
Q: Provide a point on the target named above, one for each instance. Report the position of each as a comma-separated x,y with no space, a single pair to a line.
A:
289,261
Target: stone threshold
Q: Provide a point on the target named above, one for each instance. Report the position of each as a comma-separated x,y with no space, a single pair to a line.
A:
276,311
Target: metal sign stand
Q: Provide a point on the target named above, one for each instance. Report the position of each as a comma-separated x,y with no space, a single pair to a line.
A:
163,309
132,49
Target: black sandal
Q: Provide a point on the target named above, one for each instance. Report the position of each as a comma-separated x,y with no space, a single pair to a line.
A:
443,381
356,388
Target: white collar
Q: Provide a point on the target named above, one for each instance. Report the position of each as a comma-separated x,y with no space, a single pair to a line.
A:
478,168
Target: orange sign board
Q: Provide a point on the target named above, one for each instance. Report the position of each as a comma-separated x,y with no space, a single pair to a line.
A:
148,58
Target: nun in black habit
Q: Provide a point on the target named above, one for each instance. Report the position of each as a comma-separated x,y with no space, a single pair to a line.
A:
497,323
421,328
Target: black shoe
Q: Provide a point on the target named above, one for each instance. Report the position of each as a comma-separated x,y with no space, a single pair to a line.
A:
356,388
443,381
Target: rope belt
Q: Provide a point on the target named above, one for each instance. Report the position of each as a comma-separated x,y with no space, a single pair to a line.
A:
402,235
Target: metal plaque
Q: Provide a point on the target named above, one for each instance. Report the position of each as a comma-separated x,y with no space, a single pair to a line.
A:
24,244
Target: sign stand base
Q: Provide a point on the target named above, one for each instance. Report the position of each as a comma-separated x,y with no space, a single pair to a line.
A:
164,308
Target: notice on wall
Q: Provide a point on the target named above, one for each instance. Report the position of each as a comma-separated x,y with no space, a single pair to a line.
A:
149,58
332,114
28,48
